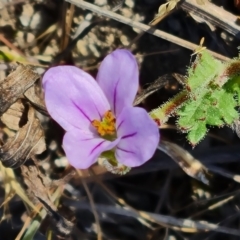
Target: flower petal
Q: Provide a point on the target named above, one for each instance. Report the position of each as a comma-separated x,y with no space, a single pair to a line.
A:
118,78
139,137
83,148
73,98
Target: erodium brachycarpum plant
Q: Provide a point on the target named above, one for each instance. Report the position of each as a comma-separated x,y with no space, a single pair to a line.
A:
210,97
98,115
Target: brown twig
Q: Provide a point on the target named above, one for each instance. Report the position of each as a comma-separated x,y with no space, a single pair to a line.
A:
10,45
213,14
67,16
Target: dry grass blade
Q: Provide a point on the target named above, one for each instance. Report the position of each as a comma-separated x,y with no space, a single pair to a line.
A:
143,218
157,85
33,224
5,41
217,16
63,226
99,231
38,188
185,160
67,18
116,4
180,78
214,206
184,225
201,2
164,10
193,226
141,26
48,31
225,173
12,183
31,220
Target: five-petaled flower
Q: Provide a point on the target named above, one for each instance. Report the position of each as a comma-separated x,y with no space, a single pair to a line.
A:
98,116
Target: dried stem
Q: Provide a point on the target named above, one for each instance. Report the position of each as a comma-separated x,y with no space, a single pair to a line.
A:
99,231
141,26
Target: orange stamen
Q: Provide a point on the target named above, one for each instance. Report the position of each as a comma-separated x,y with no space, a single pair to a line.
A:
107,125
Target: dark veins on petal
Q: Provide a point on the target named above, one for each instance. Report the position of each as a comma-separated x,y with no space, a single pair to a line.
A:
100,117
87,139
124,150
97,146
120,124
129,135
115,97
83,113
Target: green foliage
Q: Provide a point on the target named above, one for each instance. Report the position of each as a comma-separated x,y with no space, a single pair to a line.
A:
162,113
202,71
10,56
215,108
211,97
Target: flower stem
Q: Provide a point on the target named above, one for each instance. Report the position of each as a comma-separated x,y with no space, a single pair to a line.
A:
162,113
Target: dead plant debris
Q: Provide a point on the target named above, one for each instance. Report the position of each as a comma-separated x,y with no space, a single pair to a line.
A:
197,198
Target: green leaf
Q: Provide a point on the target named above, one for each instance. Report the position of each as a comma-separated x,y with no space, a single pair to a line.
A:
211,97
193,119
214,117
202,71
197,133
10,56
227,106
191,115
215,108
233,86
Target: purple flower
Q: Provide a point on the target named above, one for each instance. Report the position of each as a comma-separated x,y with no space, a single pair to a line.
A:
98,116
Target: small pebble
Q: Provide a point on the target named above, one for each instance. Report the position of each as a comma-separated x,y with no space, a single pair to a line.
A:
61,162
27,14
130,3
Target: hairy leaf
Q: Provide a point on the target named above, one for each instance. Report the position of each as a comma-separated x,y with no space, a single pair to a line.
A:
202,72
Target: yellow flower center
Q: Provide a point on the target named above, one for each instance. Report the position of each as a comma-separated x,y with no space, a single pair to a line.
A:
106,127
